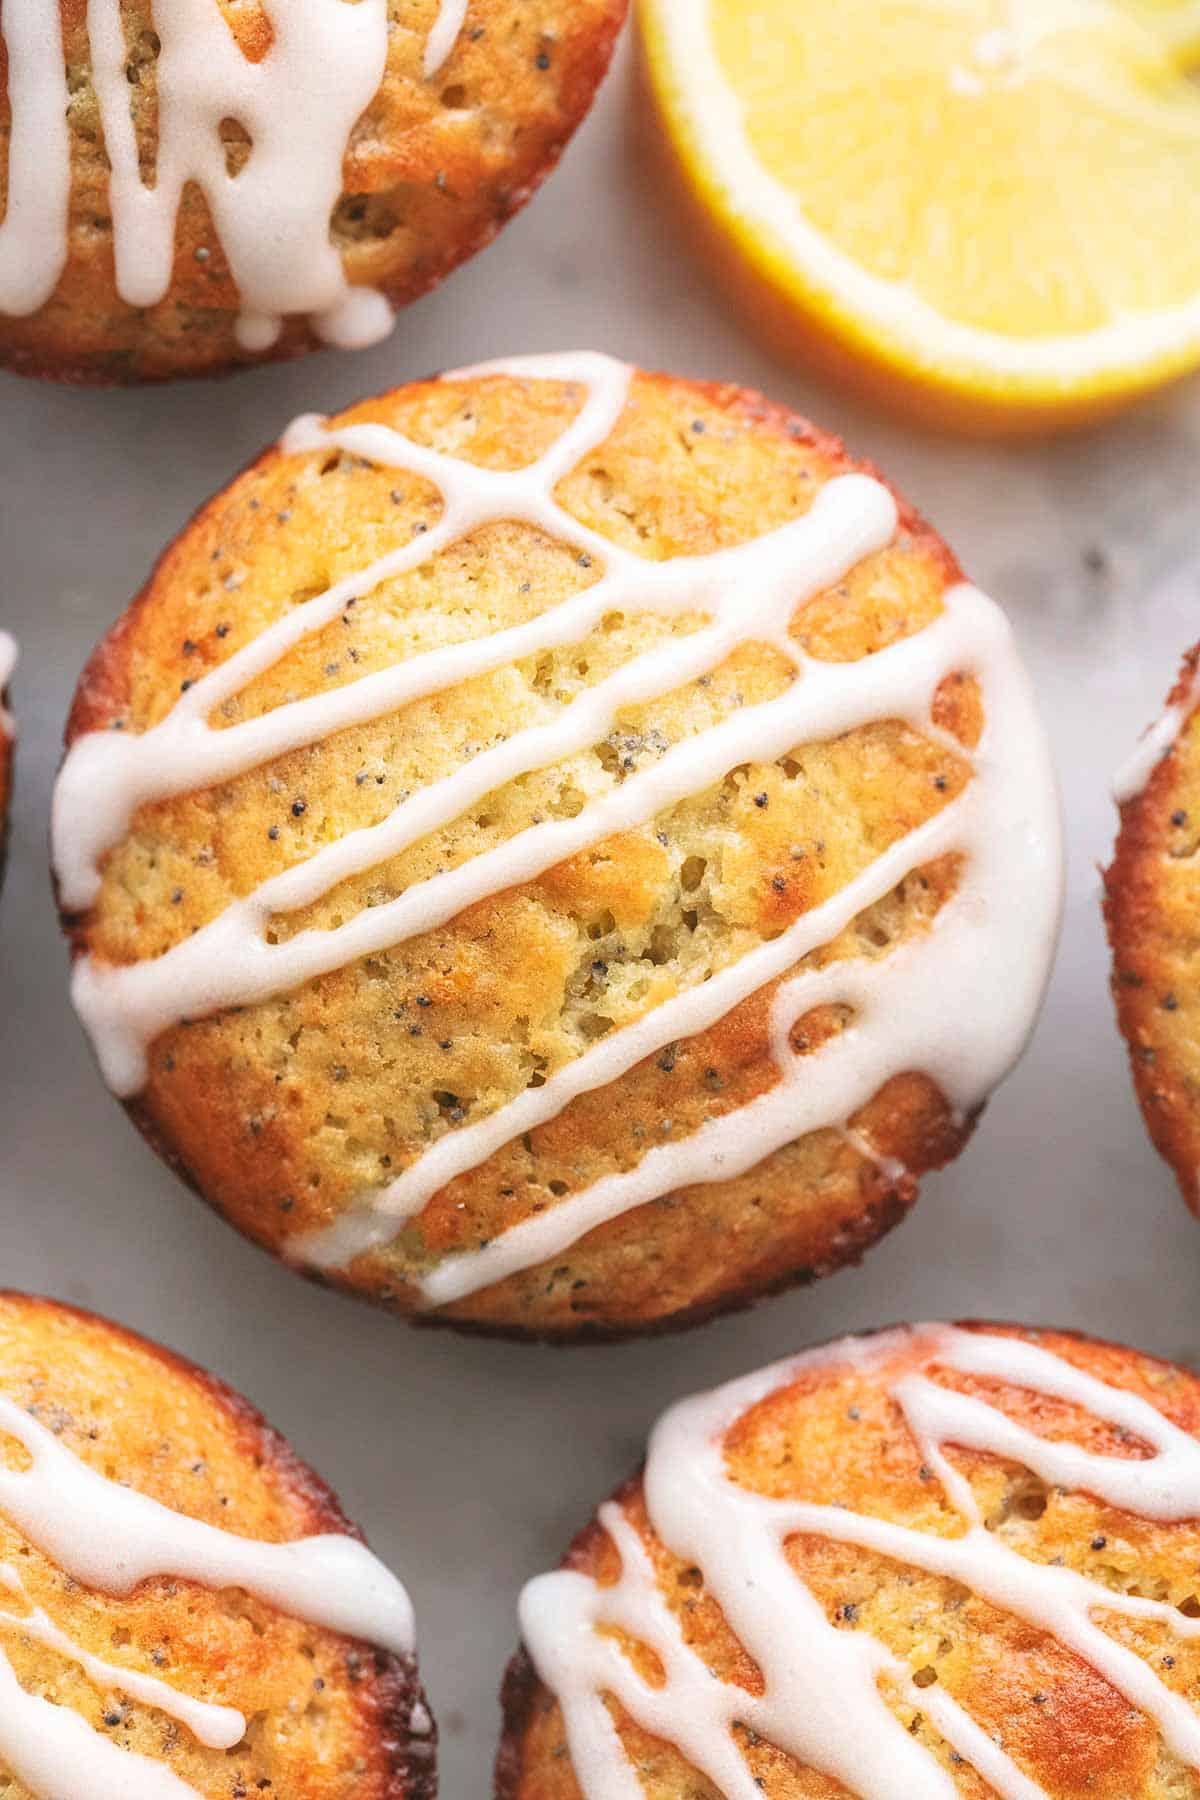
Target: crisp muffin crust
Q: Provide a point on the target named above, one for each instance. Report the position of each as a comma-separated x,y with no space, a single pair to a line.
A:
327,1718
835,1436
1152,902
285,1112
433,170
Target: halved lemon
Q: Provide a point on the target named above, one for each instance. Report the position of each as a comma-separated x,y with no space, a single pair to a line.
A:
986,209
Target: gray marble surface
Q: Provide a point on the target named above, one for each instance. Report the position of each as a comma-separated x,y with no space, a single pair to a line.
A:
470,1464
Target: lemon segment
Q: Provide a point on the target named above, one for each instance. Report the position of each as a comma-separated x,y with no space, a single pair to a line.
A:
998,200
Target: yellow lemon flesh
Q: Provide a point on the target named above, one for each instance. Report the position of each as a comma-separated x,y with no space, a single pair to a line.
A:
989,209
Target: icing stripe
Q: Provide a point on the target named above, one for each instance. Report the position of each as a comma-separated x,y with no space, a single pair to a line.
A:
33,234
441,40
56,1754
217,1727
822,1701
112,1537
298,106
992,941
1131,779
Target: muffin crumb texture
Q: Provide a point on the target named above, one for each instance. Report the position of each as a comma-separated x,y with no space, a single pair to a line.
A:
514,845
936,1561
157,1641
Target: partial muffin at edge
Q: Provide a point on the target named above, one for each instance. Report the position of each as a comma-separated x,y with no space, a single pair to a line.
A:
882,1647
1152,896
285,1113
326,1715
435,166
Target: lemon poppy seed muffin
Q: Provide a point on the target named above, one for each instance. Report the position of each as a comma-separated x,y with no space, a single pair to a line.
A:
937,1561
1151,903
184,1610
557,850
185,187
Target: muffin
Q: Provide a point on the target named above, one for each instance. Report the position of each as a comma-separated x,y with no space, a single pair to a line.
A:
190,187
185,1609
1152,897
932,1562
8,662
619,859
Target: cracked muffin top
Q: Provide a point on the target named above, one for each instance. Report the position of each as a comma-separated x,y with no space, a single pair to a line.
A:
189,187
185,1611
558,850
933,1561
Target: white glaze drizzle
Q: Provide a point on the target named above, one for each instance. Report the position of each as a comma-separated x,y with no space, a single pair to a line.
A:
1131,779
112,1538
298,105
58,1756
230,962
822,1702
8,662
33,235
443,35
217,1727
993,939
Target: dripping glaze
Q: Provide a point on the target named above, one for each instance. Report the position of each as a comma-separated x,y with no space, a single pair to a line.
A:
298,105
1162,737
990,945
821,1701
111,1537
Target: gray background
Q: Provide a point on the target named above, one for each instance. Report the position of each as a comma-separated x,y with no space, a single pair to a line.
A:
471,1463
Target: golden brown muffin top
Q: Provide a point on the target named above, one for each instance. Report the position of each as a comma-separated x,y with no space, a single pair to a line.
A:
1152,896
165,1684
375,145
932,1562
557,965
